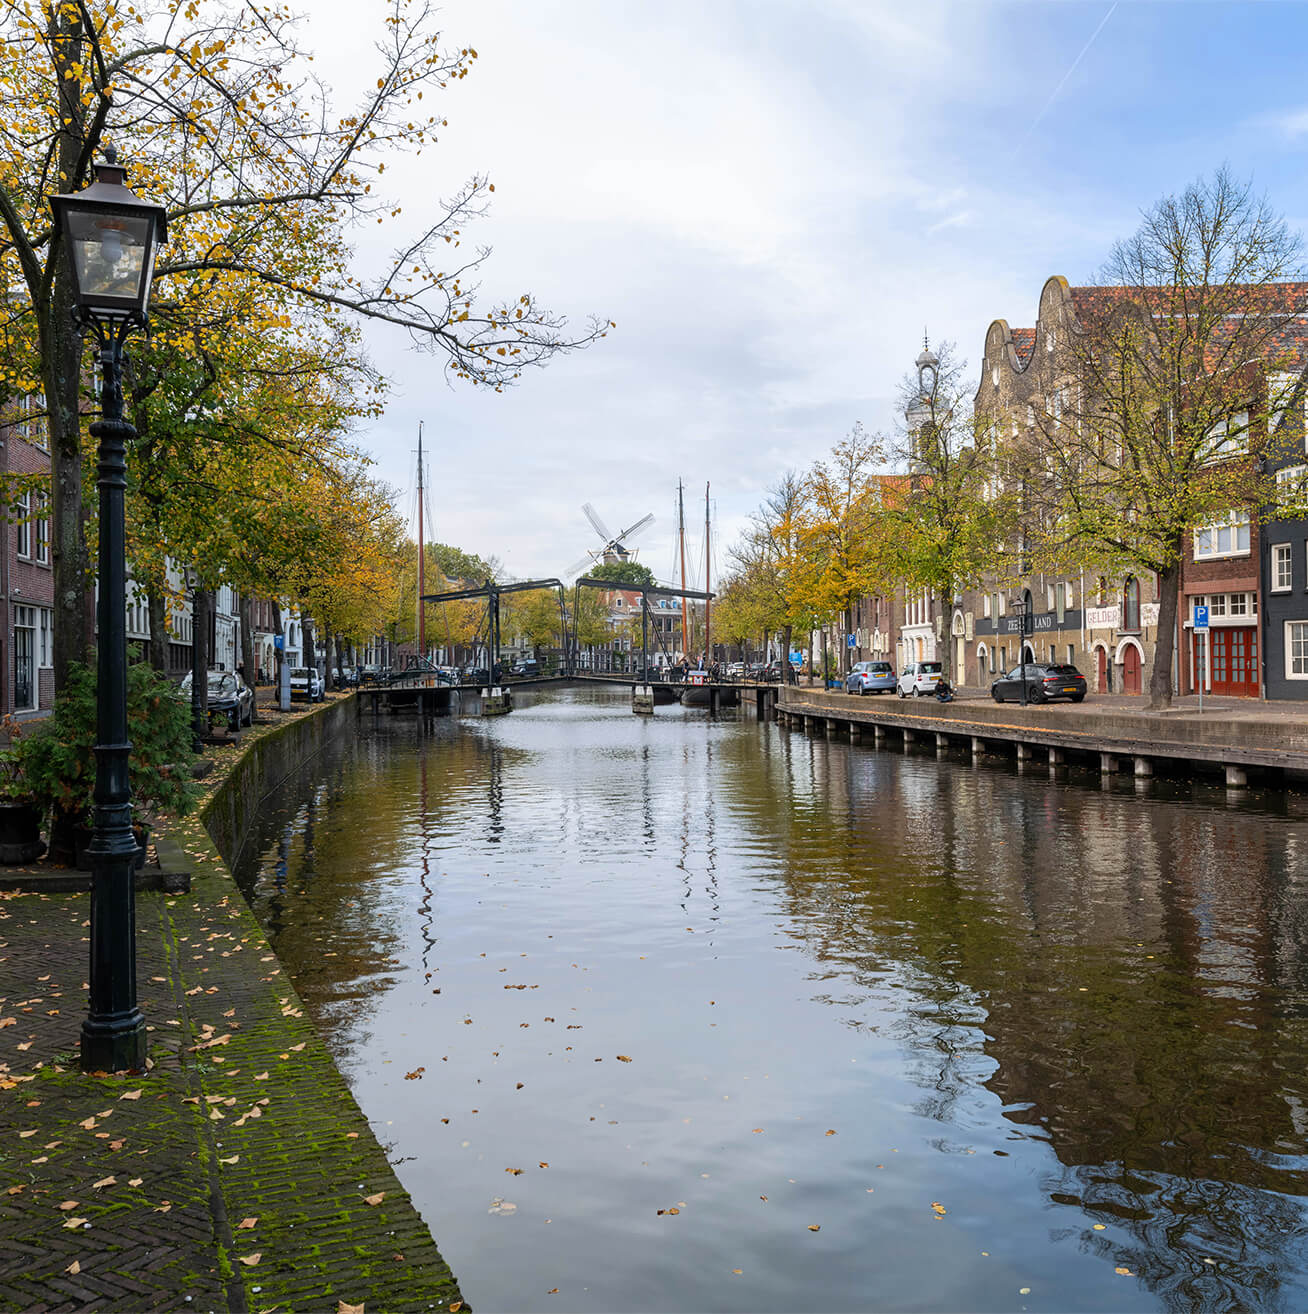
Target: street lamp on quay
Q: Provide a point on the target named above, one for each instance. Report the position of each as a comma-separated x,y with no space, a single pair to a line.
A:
110,237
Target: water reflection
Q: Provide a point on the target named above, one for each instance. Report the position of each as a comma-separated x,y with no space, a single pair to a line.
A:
1071,1016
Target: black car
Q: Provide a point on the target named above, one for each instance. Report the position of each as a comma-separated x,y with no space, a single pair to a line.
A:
526,667
229,696
1045,681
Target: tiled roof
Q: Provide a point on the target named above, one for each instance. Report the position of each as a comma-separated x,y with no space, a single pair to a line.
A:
1023,344
1288,300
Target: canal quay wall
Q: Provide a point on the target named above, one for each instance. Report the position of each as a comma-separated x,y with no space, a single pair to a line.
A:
237,1173
1238,745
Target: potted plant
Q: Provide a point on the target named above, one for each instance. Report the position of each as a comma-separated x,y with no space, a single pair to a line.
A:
20,811
58,761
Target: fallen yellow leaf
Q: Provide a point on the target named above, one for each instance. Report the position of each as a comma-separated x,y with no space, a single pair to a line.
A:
343,1307
74,1222
104,1181
130,1095
251,1260
1125,1272
374,1199
939,1208
815,1227
247,1222
74,1267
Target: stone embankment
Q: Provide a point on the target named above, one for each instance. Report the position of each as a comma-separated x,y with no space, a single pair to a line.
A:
1265,742
237,1173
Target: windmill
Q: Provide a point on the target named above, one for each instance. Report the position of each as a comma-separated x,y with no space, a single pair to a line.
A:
613,547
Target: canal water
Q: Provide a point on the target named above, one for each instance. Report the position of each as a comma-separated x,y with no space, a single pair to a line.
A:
691,1014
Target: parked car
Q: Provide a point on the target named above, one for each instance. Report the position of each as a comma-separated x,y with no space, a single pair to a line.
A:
870,677
919,679
229,696
526,667
1045,681
306,683
368,675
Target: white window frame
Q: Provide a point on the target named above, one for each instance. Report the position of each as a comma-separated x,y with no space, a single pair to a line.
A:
1228,437
23,534
1207,537
1292,487
1290,672
1282,556
45,640
42,535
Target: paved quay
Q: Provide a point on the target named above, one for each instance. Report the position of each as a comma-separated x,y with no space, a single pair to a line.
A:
237,1173
1232,733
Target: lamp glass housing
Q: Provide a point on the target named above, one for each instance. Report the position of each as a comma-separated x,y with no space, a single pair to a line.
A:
112,258
112,236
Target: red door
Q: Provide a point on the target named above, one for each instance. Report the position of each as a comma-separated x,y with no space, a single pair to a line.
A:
1101,680
1131,669
1235,661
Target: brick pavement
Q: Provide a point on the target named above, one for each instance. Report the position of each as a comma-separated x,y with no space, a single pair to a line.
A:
235,1174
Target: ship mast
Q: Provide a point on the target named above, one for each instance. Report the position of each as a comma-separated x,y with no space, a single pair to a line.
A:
681,531
708,580
422,607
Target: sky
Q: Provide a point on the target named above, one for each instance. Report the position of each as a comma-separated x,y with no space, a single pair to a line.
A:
774,201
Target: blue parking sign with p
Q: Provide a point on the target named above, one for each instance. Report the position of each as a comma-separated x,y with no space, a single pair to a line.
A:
849,641
1201,618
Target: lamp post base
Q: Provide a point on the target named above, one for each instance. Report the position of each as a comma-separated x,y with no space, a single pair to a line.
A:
114,1045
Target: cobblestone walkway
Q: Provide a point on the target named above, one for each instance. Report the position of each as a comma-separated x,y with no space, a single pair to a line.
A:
236,1174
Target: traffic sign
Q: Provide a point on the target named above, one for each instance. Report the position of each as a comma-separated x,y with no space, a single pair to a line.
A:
279,642
850,641
1201,619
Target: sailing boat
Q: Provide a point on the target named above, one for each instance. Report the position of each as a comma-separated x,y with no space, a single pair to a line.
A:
698,692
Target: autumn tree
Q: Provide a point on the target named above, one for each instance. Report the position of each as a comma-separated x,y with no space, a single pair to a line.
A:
840,560
216,112
1155,419
943,511
771,556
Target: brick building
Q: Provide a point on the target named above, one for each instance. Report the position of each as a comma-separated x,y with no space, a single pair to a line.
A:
26,573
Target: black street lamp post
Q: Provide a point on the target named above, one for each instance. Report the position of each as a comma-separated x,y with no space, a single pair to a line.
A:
110,237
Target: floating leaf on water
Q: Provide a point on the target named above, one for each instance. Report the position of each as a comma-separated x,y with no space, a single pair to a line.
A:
815,1227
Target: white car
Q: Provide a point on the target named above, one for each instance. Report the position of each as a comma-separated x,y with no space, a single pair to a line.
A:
919,679
306,683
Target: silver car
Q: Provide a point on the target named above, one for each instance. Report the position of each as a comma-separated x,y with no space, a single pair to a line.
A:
870,677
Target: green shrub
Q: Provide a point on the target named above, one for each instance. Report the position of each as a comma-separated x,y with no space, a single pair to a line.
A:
56,760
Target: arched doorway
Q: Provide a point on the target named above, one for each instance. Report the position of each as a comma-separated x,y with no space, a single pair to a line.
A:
982,663
1131,669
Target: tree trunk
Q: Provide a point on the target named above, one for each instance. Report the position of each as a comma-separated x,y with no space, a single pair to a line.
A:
199,663
1160,677
308,655
340,653
279,650
61,364
157,606
243,609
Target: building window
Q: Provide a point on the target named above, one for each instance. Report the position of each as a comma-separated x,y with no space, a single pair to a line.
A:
985,607
45,644
1131,604
1282,568
42,529
1228,437
1292,488
25,689
1224,538
24,527
1296,650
